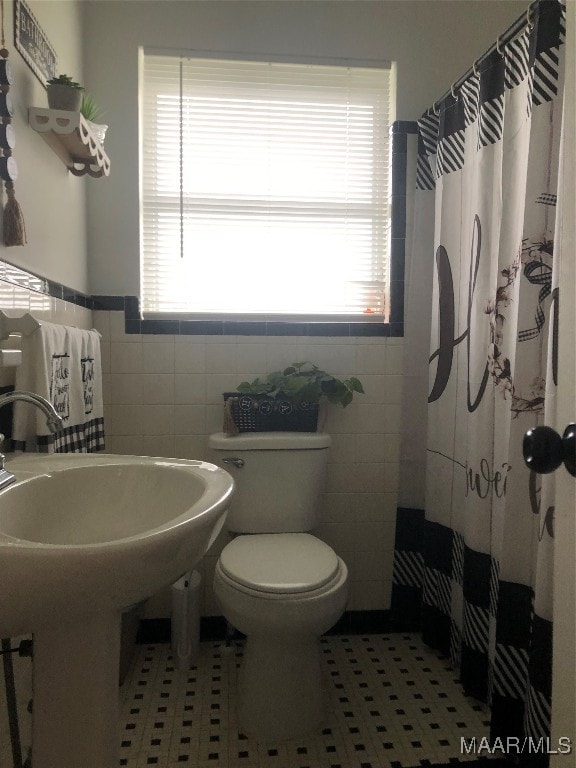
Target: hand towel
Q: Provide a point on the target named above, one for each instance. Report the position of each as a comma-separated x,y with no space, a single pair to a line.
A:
63,365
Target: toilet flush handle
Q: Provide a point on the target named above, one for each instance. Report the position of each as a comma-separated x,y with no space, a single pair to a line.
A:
234,460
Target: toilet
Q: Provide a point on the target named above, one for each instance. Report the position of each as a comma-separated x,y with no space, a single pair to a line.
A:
275,582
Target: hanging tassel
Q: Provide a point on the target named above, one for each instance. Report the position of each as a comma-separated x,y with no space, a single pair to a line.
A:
14,227
229,427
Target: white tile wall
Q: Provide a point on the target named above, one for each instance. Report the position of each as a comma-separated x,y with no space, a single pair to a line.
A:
163,396
15,301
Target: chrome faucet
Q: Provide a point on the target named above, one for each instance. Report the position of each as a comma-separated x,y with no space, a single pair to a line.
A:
53,422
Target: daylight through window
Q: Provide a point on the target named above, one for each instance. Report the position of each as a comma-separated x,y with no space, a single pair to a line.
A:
265,188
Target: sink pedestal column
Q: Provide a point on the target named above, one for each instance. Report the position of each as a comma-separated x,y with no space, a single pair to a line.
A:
75,693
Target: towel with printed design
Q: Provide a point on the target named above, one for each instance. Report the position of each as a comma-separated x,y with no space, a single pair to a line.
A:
62,364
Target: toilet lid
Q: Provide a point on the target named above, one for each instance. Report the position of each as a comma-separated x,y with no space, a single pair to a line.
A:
279,562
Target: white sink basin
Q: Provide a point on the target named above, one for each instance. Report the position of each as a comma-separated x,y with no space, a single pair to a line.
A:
81,533
104,502
81,537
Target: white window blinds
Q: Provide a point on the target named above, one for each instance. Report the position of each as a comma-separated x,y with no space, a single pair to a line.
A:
264,188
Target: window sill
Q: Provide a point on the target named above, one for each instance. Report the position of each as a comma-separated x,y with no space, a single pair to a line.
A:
185,326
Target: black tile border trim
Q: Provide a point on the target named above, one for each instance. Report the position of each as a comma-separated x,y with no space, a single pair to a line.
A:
250,328
404,126
399,132
22,278
130,305
216,627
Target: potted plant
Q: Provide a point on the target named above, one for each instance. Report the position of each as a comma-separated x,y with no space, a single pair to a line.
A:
91,112
64,93
286,400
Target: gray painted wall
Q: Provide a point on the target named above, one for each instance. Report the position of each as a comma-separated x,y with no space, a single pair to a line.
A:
52,200
432,42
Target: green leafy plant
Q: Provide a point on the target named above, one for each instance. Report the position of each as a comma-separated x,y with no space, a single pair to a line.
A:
90,109
65,80
304,382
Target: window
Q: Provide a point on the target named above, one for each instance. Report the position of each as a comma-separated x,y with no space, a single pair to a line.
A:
265,189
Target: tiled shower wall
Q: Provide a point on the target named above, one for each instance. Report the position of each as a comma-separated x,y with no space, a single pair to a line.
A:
163,396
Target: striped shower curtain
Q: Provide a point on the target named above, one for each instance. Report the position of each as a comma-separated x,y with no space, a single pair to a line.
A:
475,528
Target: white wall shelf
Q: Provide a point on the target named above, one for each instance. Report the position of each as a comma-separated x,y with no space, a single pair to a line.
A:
69,135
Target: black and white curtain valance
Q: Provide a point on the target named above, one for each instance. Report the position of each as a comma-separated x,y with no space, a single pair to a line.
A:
531,60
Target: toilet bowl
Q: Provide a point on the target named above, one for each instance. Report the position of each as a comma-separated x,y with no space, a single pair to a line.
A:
282,590
275,582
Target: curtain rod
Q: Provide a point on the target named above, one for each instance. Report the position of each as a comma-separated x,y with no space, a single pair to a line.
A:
504,38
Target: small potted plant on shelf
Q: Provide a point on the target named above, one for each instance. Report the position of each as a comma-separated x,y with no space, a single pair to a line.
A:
64,93
286,400
91,112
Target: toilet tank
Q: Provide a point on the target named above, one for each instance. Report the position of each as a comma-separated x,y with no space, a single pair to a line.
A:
279,482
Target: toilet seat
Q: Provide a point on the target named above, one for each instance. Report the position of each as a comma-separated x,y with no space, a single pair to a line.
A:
279,564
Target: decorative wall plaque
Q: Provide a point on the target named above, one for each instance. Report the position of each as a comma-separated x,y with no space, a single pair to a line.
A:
13,225
32,44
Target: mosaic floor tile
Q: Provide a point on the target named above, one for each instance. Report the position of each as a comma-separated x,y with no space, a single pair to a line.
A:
392,703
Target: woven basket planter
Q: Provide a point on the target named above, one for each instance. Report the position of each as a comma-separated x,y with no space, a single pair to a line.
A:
260,413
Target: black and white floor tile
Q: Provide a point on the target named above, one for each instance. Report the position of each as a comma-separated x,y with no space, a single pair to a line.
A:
393,703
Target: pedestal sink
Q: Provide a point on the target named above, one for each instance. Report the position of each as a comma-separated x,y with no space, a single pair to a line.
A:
81,538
